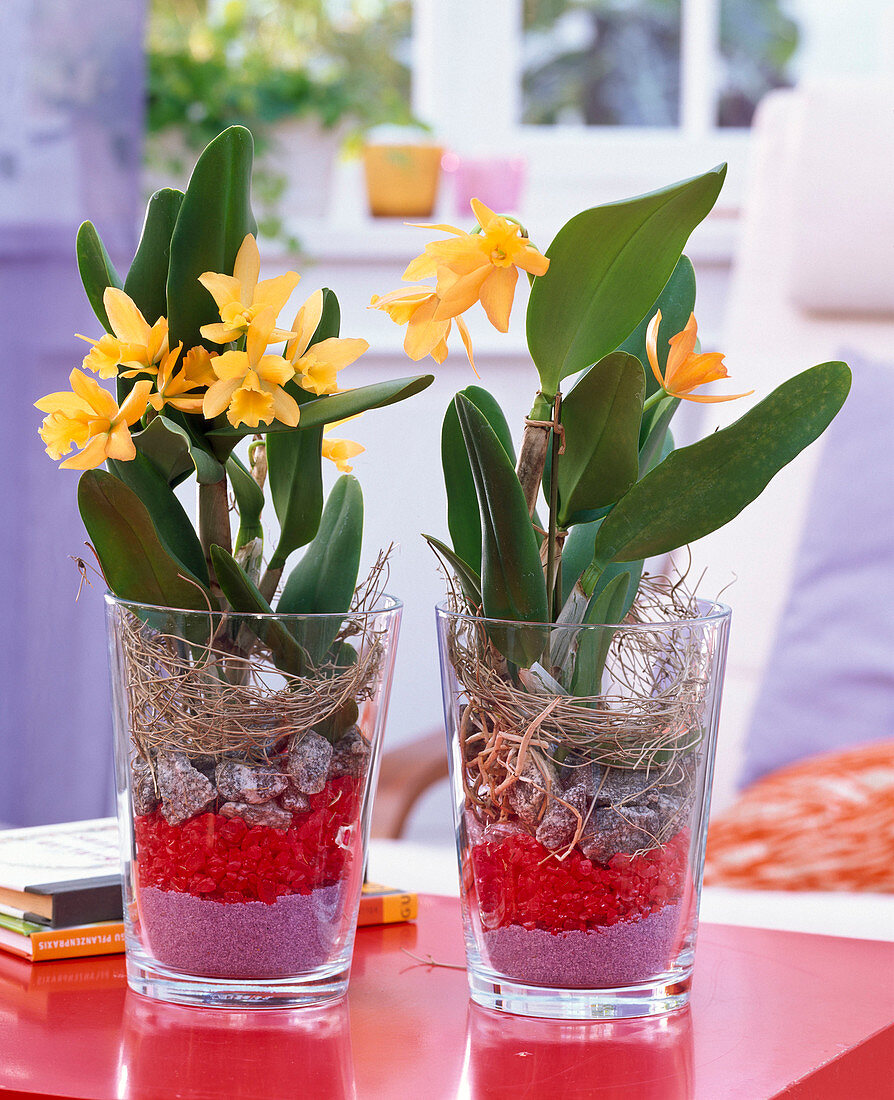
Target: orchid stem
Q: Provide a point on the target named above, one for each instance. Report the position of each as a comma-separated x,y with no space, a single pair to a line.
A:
553,508
214,524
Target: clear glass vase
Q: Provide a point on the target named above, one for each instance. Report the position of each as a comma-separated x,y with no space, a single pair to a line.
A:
581,767
247,752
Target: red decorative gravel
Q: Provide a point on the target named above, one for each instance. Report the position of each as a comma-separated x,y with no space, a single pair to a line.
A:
519,882
225,860
629,951
293,935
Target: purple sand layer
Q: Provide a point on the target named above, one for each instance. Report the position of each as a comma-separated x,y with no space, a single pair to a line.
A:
249,939
620,954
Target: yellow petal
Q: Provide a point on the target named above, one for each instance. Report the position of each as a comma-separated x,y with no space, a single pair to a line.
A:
710,400
467,342
461,294
305,325
63,402
274,293
197,366
273,368
483,214
497,292
423,331
119,444
90,391
652,346
218,396
222,288
529,259
340,450
285,408
259,335
232,364
338,351
247,268
93,455
220,332
250,407
126,320
699,369
423,267
134,404
681,347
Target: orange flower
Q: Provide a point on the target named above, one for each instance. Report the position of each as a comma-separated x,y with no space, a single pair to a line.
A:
476,267
415,307
685,369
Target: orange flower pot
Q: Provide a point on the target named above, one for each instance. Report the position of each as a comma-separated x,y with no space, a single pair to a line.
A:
402,180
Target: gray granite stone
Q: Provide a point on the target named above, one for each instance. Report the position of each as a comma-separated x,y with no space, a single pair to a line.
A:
350,754
184,791
145,796
308,762
611,831
241,783
527,795
294,801
269,814
559,823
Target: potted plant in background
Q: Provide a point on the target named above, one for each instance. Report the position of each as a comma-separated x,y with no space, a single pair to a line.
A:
247,726
581,694
301,78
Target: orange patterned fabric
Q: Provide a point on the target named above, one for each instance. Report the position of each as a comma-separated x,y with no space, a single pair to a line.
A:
826,823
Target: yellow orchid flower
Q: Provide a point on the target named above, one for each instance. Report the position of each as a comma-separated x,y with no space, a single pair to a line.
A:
340,450
476,267
240,297
177,390
685,370
415,307
89,419
316,367
249,383
197,366
136,344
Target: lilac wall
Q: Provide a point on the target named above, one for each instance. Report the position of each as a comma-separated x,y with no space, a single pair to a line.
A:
70,142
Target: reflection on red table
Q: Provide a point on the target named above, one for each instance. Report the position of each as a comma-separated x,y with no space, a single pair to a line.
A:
772,1013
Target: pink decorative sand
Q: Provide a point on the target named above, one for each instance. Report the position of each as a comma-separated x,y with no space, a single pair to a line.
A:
247,940
620,954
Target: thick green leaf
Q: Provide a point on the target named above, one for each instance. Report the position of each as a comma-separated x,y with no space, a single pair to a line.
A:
577,554
249,502
469,580
607,266
654,431
512,585
676,302
243,596
323,582
208,470
338,406
135,563
609,606
96,269
601,416
214,218
295,463
463,520
166,449
325,578
172,524
702,487
146,282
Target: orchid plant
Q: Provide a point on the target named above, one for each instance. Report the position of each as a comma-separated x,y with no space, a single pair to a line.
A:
611,307
188,335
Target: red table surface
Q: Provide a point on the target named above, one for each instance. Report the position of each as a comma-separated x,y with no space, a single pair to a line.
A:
772,1014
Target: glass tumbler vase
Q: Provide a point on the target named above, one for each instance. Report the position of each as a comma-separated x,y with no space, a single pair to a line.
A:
246,758
581,760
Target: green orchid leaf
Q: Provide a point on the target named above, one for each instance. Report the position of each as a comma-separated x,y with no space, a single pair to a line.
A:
699,488
512,585
463,520
166,450
243,596
295,461
676,302
146,282
249,502
172,524
577,554
319,411
323,582
208,470
134,562
608,606
607,266
214,218
96,270
654,432
469,580
601,416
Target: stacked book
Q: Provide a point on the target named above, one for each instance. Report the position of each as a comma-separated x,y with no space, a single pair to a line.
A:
60,892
